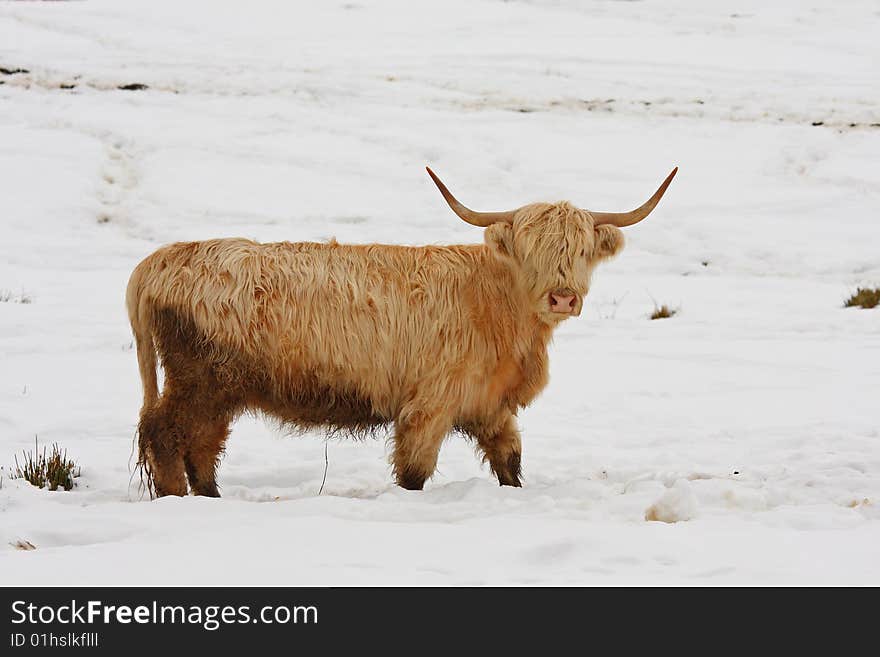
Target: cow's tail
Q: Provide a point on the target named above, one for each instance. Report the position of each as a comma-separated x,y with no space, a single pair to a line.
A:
140,315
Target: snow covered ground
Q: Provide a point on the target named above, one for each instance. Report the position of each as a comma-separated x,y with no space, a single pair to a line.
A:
751,417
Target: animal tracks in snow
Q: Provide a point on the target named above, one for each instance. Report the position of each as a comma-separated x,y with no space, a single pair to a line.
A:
118,178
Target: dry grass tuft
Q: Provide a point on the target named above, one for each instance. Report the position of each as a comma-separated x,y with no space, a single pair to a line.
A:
662,312
864,297
52,470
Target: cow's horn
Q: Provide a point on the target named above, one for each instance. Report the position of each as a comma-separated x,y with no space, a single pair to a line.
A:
621,219
482,219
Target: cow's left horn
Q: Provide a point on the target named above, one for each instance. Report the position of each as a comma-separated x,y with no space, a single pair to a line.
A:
621,219
482,219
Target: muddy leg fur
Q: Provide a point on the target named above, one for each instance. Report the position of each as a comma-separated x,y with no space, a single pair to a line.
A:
183,434
160,442
417,439
202,456
502,449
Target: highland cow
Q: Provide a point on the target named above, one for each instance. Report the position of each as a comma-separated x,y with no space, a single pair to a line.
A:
354,337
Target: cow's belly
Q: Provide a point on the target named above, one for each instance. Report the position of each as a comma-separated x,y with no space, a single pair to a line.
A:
306,402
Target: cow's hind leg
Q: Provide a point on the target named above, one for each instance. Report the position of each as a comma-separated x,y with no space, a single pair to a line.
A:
417,438
184,433
160,444
182,436
202,456
210,408
502,449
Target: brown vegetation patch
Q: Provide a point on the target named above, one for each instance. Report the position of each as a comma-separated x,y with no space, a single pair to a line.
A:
662,312
863,297
52,470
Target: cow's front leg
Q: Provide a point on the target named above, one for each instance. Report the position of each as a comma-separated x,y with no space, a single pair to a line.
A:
418,434
502,449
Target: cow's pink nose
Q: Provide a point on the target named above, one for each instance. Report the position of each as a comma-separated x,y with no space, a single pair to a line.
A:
561,302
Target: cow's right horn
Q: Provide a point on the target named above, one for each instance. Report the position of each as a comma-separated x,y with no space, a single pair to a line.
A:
622,219
481,219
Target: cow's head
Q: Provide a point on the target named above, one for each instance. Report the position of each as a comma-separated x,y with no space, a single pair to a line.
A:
555,246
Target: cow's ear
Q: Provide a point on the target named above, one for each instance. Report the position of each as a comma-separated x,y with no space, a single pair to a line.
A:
609,242
500,238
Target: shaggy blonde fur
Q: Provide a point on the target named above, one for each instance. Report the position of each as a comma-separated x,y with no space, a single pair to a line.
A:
354,336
